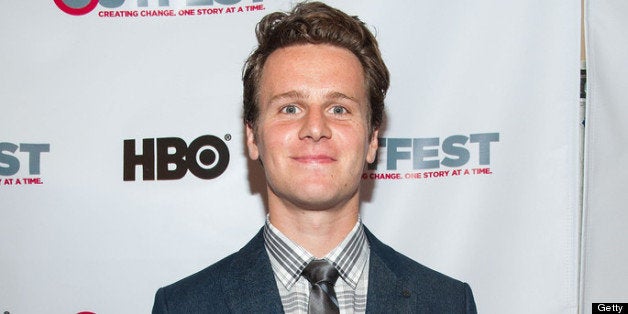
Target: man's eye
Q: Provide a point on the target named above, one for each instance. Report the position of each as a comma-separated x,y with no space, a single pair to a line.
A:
291,109
338,110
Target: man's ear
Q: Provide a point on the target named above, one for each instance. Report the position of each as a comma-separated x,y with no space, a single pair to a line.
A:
372,149
251,143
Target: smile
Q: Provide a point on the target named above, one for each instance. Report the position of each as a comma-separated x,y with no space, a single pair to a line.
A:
314,159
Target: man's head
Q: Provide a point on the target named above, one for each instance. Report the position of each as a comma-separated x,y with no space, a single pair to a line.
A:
313,98
316,23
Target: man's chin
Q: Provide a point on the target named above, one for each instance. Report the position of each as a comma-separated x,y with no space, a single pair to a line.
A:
321,201
313,196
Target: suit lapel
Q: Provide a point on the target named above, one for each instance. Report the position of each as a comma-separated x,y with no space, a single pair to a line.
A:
387,292
250,286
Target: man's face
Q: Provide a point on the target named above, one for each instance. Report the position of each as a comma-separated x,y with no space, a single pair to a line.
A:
312,134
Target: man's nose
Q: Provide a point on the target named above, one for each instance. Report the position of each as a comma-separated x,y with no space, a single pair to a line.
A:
315,126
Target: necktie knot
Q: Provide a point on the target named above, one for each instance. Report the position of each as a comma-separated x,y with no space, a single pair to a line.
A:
320,270
322,275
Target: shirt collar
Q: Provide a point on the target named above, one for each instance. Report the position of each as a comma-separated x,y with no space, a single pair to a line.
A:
288,259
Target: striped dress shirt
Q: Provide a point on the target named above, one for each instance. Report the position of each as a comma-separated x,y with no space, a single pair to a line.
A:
350,258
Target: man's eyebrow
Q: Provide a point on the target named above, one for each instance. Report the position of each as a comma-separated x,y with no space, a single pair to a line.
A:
293,94
339,95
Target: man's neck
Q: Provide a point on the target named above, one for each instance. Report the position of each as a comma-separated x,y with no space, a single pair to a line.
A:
318,231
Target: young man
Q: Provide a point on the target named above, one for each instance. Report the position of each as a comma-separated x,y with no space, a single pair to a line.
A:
313,103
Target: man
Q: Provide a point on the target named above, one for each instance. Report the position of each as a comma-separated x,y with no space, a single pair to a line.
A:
313,102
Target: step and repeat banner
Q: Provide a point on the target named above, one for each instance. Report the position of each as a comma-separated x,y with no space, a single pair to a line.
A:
123,168
605,258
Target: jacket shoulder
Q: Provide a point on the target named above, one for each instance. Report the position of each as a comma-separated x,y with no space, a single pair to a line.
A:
208,290
431,290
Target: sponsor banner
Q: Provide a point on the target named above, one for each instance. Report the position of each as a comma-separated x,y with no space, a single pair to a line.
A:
122,121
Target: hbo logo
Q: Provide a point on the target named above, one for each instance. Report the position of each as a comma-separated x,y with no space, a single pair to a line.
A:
207,157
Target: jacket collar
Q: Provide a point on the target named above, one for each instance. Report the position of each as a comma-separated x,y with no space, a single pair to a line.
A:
387,292
250,285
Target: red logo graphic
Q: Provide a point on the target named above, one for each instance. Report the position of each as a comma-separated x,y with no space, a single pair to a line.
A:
76,11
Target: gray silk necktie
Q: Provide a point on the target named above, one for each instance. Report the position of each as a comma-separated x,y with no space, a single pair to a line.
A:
322,275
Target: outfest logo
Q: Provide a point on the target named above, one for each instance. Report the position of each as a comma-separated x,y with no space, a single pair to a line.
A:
20,163
432,157
166,8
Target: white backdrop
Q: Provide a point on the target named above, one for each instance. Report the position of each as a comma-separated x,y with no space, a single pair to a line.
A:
488,85
605,271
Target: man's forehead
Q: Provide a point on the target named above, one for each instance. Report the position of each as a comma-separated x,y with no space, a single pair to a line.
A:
306,48
328,64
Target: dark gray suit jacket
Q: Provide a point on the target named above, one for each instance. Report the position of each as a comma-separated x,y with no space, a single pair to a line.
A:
244,283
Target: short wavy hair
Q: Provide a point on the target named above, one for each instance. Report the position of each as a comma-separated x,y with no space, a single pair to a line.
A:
316,23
